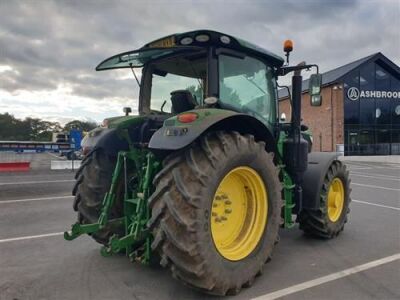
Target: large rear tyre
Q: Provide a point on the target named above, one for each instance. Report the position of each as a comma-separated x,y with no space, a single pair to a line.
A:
216,212
329,219
93,180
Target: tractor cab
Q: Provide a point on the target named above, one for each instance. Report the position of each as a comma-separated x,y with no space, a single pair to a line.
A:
199,69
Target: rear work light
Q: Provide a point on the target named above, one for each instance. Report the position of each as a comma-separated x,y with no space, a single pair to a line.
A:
86,150
104,123
187,117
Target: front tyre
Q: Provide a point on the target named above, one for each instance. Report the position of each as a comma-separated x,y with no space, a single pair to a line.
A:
328,220
216,212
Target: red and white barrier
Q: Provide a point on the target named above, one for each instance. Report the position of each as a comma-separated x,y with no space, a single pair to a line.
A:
14,166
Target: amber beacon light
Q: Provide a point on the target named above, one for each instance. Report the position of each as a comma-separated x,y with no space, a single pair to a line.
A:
287,47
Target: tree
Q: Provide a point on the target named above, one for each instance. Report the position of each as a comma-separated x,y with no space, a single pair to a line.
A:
35,129
196,91
80,125
229,95
12,128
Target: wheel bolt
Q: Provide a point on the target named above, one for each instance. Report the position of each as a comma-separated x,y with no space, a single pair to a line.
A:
215,205
214,214
224,196
228,210
223,218
228,202
217,197
217,219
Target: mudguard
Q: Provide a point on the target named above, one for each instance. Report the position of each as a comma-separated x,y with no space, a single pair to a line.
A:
105,138
109,136
318,165
175,135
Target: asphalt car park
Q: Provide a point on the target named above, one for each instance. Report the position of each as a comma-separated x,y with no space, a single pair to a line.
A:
37,263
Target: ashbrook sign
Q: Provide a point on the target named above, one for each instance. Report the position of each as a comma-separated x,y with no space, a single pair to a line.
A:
354,94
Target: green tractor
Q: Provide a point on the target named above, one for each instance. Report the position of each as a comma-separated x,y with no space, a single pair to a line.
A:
204,176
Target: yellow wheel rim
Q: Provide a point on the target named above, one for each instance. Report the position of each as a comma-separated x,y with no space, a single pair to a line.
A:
239,213
335,199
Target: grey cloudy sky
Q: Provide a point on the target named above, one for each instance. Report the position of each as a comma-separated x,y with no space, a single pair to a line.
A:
48,49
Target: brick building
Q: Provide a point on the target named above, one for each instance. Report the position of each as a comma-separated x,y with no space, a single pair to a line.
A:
360,111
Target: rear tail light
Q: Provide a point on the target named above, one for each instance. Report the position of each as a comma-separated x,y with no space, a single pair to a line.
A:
187,117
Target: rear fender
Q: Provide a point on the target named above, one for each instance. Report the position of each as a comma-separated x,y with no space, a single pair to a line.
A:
175,135
113,137
106,138
318,165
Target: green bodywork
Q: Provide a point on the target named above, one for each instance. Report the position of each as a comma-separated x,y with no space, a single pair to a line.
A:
137,239
124,122
166,45
288,185
139,160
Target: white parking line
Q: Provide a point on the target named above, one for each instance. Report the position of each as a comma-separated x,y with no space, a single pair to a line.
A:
375,177
396,166
334,276
376,166
29,237
35,199
360,168
361,165
36,182
353,163
376,186
375,204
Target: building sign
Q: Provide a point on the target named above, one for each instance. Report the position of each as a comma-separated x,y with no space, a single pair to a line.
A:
354,94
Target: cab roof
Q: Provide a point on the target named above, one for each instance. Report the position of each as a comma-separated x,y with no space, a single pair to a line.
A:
221,39
188,41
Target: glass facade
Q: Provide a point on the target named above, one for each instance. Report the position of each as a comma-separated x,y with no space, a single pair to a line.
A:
371,111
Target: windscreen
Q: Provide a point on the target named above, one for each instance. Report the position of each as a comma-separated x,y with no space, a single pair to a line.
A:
247,85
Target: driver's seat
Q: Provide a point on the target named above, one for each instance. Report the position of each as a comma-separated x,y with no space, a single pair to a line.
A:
182,100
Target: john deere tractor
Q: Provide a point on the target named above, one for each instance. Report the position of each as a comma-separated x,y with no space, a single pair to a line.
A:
203,177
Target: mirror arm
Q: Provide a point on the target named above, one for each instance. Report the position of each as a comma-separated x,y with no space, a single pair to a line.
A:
282,71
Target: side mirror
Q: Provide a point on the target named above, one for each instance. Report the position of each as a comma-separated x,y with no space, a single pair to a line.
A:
283,117
127,110
314,89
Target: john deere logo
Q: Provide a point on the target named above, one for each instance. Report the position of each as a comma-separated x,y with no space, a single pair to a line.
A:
353,93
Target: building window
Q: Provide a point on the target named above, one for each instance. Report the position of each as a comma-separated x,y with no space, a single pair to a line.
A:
395,146
382,83
382,78
395,107
367,105
372,117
